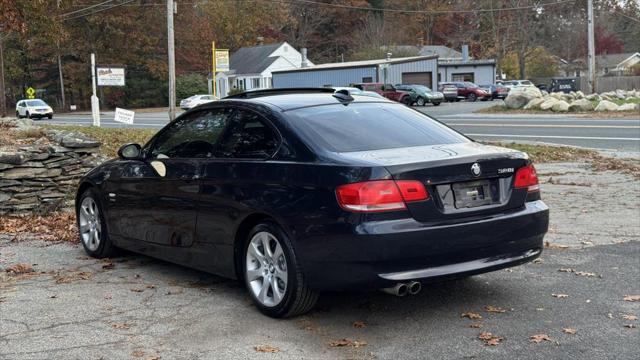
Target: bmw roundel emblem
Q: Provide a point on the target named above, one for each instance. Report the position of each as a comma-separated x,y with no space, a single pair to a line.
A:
475,169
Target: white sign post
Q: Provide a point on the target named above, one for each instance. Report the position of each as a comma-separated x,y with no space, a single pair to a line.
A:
95,103
124,116
110,76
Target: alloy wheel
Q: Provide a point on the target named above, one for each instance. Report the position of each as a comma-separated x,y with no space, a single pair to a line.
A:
90,227
420,101
266,269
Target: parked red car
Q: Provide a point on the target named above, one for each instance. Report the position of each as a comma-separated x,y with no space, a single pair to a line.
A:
388,91
470,91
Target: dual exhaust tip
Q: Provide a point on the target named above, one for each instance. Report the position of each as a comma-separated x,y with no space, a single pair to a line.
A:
402,289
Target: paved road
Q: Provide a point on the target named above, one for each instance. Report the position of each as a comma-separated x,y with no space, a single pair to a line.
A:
612,134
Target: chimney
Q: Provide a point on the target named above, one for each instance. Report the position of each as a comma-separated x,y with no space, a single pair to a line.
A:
304,63
260,40
465,53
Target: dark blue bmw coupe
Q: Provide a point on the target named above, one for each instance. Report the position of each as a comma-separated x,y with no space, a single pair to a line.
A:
299,191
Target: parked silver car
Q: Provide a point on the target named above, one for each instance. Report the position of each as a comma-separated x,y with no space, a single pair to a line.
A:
196,100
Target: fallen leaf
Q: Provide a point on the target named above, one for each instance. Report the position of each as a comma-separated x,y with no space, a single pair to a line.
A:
630,326
539,338
138,290
471,315
53,297
109,266
266,349
569,331
584,273
538,261
153,357
347,342
560,296
120,326
18,269
137,353
150,286
631,298
555,246
489,339
475,325
629,317
73,276
568,270
359,324
494,309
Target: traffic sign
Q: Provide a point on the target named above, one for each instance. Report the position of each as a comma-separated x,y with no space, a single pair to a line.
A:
31,93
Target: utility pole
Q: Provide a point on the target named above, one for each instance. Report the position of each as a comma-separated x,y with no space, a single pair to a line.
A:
95,103
64,107
172,61
3,98
592,52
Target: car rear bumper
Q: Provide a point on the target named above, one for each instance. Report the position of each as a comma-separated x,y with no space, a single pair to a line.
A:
380,254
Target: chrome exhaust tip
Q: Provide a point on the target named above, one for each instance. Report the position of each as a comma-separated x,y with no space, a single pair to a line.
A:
398,289
414,287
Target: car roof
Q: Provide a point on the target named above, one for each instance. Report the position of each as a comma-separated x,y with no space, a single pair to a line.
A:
289,101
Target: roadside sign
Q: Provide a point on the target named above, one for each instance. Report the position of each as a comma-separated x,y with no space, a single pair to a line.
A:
124,116
222,60
110,76
31,93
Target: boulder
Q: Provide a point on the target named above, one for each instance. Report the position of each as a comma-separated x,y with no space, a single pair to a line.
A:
581,105
621,94
14,158
520,96
629,107
534,104
73,139
560,106
557,95
606,105
595,97
579,94
548,104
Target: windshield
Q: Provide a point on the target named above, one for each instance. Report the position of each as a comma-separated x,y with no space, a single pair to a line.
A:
470,84
369,126
526,82
36,103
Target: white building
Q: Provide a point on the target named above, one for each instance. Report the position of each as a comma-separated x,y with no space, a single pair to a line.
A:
251,67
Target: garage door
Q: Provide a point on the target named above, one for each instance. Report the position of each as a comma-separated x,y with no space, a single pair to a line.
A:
421,78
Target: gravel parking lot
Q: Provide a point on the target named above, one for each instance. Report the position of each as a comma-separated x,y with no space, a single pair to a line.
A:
577,300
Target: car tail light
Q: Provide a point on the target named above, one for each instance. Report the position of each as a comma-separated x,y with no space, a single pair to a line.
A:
380,195
526,177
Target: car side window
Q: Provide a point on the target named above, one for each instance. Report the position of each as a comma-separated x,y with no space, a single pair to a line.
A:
193,136
248,137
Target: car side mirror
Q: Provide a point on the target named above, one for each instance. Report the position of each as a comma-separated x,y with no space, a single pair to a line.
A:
130,151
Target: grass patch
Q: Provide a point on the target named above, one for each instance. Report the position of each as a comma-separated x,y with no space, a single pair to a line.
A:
626,101
111,138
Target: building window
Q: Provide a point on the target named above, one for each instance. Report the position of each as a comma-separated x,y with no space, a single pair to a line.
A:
367,79
255,83
439,77
462,77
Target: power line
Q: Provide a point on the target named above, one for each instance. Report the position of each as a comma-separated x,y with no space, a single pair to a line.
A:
84,9
354,7
99,10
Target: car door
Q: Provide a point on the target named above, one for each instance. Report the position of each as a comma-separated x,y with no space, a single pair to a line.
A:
20,107
236,181
154,200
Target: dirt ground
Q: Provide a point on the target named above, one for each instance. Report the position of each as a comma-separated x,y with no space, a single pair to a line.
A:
577,300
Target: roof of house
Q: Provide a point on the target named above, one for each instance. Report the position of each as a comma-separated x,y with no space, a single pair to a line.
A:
357,64
442,51
459,62
612,60
253,59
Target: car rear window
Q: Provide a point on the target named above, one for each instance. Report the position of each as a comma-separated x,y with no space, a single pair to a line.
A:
370,126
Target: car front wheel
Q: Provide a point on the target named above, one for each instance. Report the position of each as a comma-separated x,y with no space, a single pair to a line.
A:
436,103
472,97
420,101
272,274
92,228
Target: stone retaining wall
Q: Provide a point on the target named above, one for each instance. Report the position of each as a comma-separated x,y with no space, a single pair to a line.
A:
43,175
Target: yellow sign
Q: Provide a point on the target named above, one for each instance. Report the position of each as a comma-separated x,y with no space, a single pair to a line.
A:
222,60
31,93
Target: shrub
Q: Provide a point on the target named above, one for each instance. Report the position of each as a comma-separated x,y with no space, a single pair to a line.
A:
191,84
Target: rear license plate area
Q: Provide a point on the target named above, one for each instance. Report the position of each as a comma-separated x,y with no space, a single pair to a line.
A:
472,194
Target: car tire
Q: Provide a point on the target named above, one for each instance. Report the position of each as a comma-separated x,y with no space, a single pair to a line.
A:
18,115
49,117
406,100
420,101
436,103
27,115
457,100
472,97
288,298
92,226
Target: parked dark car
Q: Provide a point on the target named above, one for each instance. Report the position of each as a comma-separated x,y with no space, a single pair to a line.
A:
497,91
470,91
421,95
298,191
